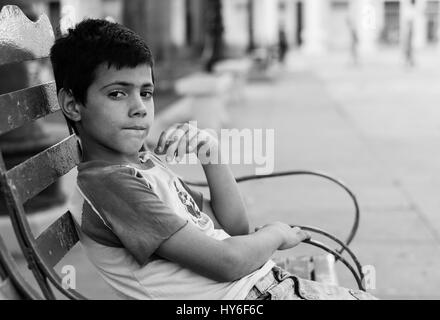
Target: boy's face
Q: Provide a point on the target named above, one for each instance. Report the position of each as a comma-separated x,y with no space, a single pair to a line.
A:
119,111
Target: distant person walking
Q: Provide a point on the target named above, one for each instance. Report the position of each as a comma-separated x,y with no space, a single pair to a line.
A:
283,45
409,45
354,42
409,35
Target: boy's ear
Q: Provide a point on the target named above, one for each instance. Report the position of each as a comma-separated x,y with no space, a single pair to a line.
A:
68,105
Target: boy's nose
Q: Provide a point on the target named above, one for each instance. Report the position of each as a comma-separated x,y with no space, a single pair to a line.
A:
138,108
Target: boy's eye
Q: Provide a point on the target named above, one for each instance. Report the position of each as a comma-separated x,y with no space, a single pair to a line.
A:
146,94
116,94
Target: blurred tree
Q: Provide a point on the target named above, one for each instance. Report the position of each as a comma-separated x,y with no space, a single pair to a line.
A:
215,31
251,43
135,16
409,37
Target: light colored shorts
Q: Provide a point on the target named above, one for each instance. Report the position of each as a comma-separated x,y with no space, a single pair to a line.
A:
279,284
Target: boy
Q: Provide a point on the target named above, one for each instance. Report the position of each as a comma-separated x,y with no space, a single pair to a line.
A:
148,234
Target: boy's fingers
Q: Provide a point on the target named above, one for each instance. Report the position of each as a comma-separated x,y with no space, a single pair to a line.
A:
306,235
176,138
183,146
165,140
303,235
201,147
192,144
159,147
171,148
198,141
296,229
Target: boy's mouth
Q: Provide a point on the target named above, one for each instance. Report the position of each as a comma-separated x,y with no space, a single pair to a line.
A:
136,128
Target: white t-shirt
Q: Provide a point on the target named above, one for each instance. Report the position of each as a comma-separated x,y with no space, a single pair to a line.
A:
124,213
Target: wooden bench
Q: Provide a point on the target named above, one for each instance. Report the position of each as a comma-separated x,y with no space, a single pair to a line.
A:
208,95
239,69
21,39
265,65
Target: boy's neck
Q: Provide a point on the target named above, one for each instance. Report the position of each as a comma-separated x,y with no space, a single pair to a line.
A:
109,156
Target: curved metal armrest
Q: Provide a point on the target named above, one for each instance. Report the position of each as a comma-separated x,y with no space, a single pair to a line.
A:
305,172
339,257
359,277
331,237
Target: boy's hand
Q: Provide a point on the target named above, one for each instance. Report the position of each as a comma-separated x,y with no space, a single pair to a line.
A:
292,236
183,138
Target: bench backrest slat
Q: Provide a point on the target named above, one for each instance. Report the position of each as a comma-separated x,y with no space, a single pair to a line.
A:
21,39
24,106
56,241
37,173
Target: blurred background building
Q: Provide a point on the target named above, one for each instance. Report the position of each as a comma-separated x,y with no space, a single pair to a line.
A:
313,25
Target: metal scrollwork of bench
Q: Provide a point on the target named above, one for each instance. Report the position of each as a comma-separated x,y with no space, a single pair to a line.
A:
318,267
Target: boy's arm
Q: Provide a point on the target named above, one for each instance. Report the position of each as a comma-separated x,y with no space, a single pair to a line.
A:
226,201
144,225
232,258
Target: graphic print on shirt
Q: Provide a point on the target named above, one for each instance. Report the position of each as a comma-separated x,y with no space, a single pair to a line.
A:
189,203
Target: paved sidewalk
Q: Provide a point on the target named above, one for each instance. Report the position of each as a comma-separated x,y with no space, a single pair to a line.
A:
376,128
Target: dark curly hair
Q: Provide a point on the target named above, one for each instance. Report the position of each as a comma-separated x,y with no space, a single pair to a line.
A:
76,56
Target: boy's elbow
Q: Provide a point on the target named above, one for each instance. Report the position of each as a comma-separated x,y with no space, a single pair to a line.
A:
225,277
232,267
240,229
